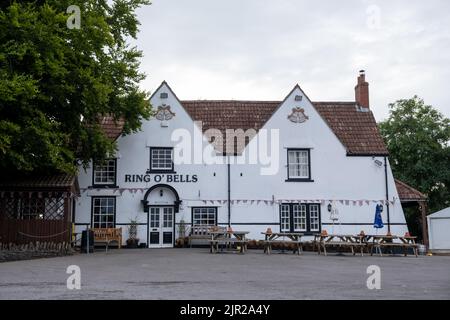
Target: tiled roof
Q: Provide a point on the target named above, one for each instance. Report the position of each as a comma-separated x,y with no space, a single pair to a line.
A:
222,115
112,128
50,182
357,130
408,193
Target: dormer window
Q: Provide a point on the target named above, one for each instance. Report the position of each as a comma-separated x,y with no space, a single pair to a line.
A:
161,160
104,173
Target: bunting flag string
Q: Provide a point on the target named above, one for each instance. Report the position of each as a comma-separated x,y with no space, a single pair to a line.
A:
299,201
272,201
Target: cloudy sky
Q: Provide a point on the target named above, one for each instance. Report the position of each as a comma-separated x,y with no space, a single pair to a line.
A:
259,49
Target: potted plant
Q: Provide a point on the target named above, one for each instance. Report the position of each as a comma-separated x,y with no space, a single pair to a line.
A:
182,229
180,243
132,241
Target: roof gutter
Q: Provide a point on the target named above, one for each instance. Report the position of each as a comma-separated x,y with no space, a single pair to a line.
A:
367,154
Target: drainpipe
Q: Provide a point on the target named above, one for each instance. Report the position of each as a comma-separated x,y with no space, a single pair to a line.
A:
229,192
387,194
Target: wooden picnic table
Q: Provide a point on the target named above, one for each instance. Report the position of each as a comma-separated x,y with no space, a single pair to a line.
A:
228,238
387,241
365,241
341,240
273,237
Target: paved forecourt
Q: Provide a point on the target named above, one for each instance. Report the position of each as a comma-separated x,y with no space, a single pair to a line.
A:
196,274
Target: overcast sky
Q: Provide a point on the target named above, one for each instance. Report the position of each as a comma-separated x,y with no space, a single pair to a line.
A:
258,49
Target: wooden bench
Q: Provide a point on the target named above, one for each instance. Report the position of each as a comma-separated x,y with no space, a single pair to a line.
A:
108,235
228,243
342,241
201,232
390,245
285,244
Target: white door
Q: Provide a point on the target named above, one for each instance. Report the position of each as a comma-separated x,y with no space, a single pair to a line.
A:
161,227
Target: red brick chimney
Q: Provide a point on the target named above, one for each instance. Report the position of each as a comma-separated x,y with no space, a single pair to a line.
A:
362,90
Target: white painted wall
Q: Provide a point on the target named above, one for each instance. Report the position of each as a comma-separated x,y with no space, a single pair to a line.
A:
336,176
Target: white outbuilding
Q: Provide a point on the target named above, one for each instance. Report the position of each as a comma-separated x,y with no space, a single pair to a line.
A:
438,230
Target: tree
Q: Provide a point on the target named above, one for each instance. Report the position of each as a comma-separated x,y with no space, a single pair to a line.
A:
417,137
56,82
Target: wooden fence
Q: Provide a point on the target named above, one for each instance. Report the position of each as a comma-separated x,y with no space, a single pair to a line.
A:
26,231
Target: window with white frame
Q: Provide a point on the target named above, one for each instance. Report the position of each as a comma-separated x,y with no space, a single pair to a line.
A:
167,217
314,218
103,212
300,217
105,172
154,217
161,159
298,164
205,216
285,218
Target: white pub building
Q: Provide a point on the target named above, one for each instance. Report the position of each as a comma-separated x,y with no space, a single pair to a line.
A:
290,165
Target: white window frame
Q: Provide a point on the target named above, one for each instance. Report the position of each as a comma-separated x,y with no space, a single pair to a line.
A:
107,207
154,217
300,217
298,164
285,218
208,216
167,217
314,217
158,162
103,172
299,213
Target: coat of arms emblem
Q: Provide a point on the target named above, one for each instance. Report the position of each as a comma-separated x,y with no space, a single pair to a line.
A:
298,115
164,113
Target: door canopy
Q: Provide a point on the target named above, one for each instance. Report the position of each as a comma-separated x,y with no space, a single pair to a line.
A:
161,194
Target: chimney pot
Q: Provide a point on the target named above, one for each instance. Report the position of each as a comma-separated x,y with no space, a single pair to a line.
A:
362,90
